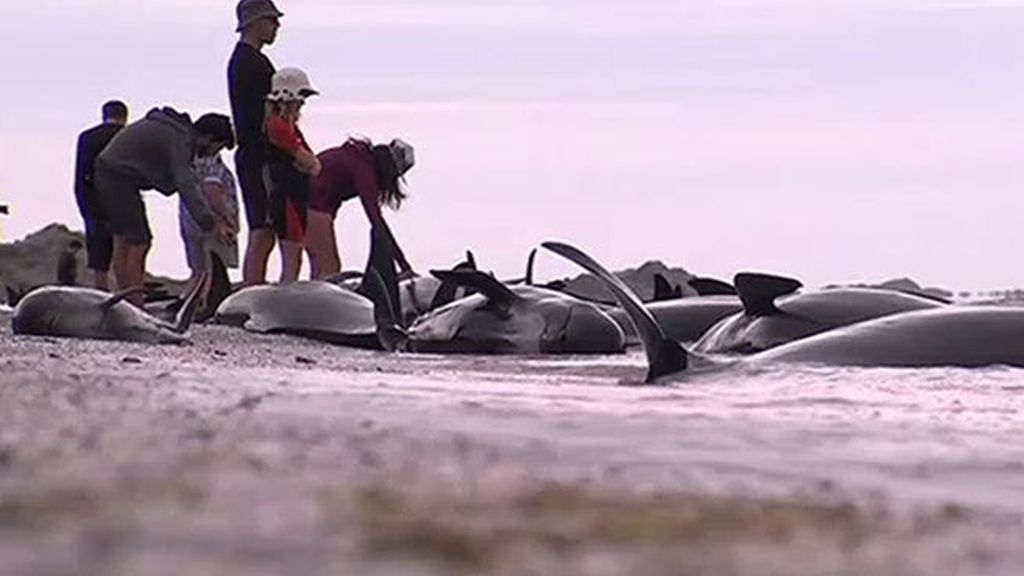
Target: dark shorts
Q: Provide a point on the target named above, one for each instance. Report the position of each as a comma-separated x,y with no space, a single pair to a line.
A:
289,200
99,243
249,166
120,200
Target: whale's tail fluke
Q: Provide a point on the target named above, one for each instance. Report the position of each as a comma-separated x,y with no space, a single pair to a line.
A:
664,356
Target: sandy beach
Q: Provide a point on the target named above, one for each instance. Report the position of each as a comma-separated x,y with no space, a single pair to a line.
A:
257,454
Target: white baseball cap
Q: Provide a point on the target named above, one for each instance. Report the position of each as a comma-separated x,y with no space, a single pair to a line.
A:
403,154
290,84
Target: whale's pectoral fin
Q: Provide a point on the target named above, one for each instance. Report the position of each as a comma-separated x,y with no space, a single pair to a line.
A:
497,293
13,297
528,279
220,285
711,287
927,296
343,277
445,293
664,356
759,291
188,309
389,331
121,295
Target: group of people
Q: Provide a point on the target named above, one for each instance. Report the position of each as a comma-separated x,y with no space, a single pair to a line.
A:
291,196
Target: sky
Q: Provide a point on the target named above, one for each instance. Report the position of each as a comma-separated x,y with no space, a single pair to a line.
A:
831,140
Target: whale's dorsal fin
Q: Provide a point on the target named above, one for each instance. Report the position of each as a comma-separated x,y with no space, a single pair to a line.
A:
664,356
496,292
759,291
711,287
121,295
664,291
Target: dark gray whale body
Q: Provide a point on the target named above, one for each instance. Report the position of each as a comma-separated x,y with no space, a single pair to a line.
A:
771,318
502,319
950,336
682,319
964,336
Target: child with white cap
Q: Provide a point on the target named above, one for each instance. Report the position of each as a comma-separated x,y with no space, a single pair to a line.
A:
290,164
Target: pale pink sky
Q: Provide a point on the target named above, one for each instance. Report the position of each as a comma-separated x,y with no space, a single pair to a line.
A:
832,140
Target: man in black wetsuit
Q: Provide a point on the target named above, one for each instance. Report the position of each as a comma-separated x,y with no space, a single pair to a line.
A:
249,74
99,243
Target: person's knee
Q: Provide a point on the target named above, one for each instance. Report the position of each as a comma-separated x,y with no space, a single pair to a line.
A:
262,239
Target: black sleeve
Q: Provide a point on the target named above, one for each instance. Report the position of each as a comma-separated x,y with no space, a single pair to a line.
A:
249,85
83,172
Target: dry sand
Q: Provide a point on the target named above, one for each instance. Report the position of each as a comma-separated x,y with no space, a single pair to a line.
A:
246,454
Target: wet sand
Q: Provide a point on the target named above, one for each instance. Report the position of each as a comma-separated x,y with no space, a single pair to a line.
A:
248,454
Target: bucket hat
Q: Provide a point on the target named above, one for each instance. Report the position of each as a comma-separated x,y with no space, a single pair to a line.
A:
249,11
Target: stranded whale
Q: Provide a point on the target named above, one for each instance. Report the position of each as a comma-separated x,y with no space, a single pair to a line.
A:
315,309
773,315
961,336
503,319
88,313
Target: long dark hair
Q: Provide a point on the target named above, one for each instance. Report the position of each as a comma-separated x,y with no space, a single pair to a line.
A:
389,181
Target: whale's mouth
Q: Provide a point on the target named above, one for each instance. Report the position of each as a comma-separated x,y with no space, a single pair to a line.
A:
237,319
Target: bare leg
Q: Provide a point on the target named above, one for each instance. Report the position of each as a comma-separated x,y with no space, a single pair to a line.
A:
321,245
291,261
101,280
136,268
119,262
130,267
257,251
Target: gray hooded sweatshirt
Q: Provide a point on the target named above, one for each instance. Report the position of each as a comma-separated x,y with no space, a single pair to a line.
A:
156,152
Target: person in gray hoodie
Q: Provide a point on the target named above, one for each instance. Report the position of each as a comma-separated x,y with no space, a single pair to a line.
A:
154,153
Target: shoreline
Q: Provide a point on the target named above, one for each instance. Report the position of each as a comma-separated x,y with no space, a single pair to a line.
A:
245,453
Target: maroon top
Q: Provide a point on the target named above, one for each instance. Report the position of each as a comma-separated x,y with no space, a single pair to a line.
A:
347,171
